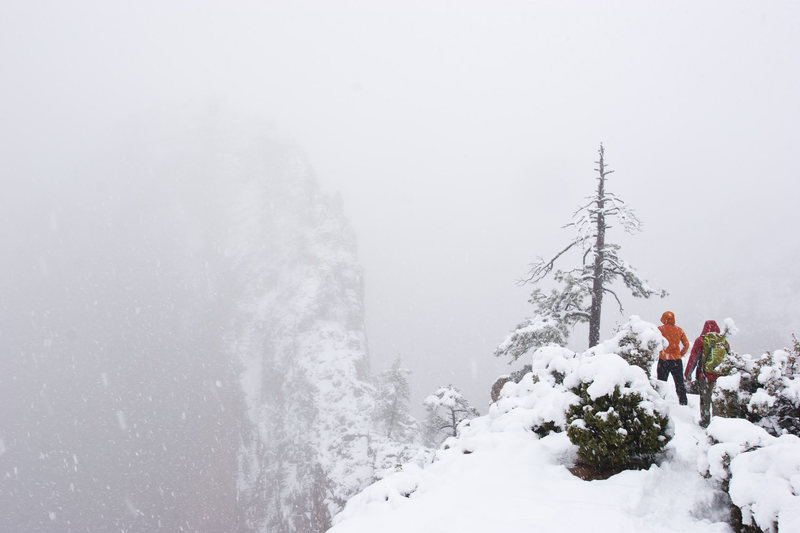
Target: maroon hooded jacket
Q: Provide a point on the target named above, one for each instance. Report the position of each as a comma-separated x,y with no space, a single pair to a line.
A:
697,352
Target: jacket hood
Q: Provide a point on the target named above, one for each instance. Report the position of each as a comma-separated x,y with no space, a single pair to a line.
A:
668,318
710,326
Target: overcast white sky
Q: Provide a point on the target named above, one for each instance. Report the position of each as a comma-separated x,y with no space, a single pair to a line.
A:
461,136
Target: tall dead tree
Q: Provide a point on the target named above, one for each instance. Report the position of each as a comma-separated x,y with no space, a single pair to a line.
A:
600,267
599,222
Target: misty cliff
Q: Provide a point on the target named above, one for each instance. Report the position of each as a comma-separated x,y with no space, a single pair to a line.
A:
184,340
298,331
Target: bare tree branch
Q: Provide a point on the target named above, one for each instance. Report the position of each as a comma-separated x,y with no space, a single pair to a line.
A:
614,294
541,269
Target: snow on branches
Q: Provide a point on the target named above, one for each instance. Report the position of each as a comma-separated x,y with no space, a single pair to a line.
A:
764,390
447,408
600,265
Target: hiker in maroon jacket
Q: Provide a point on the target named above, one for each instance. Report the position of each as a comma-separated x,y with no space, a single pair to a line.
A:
705,382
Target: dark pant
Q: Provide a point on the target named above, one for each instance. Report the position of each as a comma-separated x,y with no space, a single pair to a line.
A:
674,367
706,392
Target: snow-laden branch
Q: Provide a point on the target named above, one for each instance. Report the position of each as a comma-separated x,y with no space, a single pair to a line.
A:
600,266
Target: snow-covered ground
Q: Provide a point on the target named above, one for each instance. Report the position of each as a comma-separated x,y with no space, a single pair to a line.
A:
500,475
514,482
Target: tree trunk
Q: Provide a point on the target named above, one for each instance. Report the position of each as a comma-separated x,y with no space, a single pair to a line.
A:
599,246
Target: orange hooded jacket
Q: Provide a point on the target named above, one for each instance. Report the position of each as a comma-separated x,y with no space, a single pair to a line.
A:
678,343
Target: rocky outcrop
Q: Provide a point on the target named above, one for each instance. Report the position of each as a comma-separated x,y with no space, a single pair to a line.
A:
514,377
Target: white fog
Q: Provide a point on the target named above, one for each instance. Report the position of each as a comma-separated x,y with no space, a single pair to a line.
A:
224,223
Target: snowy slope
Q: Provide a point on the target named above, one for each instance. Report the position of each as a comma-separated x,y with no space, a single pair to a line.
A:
513,482
498,475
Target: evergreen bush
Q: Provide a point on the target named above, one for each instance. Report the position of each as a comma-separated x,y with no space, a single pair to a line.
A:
640,345
638,342
616,430
765,391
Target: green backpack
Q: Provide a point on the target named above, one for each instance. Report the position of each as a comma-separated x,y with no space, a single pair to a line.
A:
715,351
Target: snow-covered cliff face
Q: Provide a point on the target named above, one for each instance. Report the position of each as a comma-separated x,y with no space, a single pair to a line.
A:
298,331
184,321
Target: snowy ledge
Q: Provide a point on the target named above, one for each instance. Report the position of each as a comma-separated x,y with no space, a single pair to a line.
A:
500,475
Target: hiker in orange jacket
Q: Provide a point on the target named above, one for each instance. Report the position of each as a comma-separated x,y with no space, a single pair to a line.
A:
669,360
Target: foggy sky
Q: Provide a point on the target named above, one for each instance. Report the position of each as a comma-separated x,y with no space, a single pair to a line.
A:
461,136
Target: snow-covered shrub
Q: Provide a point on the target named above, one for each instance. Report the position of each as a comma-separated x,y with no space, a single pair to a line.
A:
607,406
786,409
392,490
619,420
540,398
636,341
598,428
765,391
761,473
734,387
388,455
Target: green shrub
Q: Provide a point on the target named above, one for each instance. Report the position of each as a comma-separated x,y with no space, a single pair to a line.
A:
616,431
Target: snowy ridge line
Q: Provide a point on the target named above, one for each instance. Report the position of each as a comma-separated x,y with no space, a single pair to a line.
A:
498,474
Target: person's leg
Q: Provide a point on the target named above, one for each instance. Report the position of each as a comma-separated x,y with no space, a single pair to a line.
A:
662,370
711,385
705,401
677,374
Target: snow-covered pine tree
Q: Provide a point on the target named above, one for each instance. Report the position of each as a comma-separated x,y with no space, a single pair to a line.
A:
553,315
395,439
446,409
600,265
392,413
